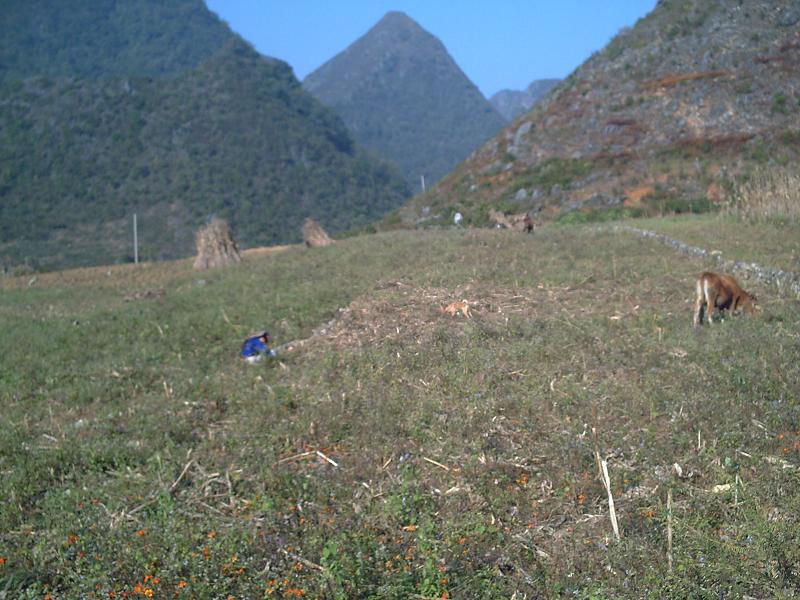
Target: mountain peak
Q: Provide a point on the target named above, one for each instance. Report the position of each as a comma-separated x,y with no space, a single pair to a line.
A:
396,17
403,96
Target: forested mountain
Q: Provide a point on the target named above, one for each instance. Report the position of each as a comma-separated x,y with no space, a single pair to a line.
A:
234,136
402,95
106,38
513,103
668,116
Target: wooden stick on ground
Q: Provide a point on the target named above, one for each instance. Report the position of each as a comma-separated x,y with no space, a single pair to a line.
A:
433,462
611,510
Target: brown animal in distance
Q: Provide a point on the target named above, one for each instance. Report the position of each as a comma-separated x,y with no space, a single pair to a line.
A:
455,307
722,292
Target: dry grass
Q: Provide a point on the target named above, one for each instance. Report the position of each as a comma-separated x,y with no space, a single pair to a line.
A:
771,194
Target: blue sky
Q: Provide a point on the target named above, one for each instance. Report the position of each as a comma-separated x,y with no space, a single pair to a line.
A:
499,44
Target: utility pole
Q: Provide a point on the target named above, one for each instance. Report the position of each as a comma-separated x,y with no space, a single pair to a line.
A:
135,241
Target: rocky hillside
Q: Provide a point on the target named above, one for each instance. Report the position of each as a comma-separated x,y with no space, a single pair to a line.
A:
235,136
403,96
667,115
513,103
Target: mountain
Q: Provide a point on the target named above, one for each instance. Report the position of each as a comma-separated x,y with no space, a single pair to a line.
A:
106,38
402,95
234,136
666,117
512,103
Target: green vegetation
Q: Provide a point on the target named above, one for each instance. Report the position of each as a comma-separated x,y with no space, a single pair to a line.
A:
551,173
138,456
237,138
105,39
779,103
599,215
652,206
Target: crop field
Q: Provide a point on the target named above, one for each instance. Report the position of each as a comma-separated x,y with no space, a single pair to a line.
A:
400,451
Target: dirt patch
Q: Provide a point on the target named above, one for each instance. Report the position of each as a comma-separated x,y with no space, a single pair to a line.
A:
402,313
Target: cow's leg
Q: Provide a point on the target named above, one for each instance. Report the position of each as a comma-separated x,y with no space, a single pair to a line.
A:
711,301
698,305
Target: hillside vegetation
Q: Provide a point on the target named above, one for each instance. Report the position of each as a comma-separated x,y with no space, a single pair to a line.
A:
672,111
221,131
403,96
99,39
401,452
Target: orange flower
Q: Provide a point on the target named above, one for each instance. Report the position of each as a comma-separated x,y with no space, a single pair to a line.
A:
148,592
444,595
72,538
206,553
112,594
581,499
3,560
141,533
181,584
212,534
137,589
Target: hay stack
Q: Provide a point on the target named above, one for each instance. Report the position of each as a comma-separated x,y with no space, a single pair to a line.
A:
508,221
216,246
314,235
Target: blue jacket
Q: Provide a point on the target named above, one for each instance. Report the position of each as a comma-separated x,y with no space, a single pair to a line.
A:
254,346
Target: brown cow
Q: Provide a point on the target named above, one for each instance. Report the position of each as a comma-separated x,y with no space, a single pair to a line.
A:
719,291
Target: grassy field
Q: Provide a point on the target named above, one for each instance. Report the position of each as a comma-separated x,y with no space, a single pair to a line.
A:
401,452
769,244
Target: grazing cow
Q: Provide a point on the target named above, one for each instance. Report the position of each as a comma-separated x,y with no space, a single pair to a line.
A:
716,291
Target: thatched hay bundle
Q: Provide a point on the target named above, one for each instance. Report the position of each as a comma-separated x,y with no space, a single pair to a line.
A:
216,246
314,235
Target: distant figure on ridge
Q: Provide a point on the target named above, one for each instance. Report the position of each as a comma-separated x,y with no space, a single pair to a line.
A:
457,218
527,223
255,347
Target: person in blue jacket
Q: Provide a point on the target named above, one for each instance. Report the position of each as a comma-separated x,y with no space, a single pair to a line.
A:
255,347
